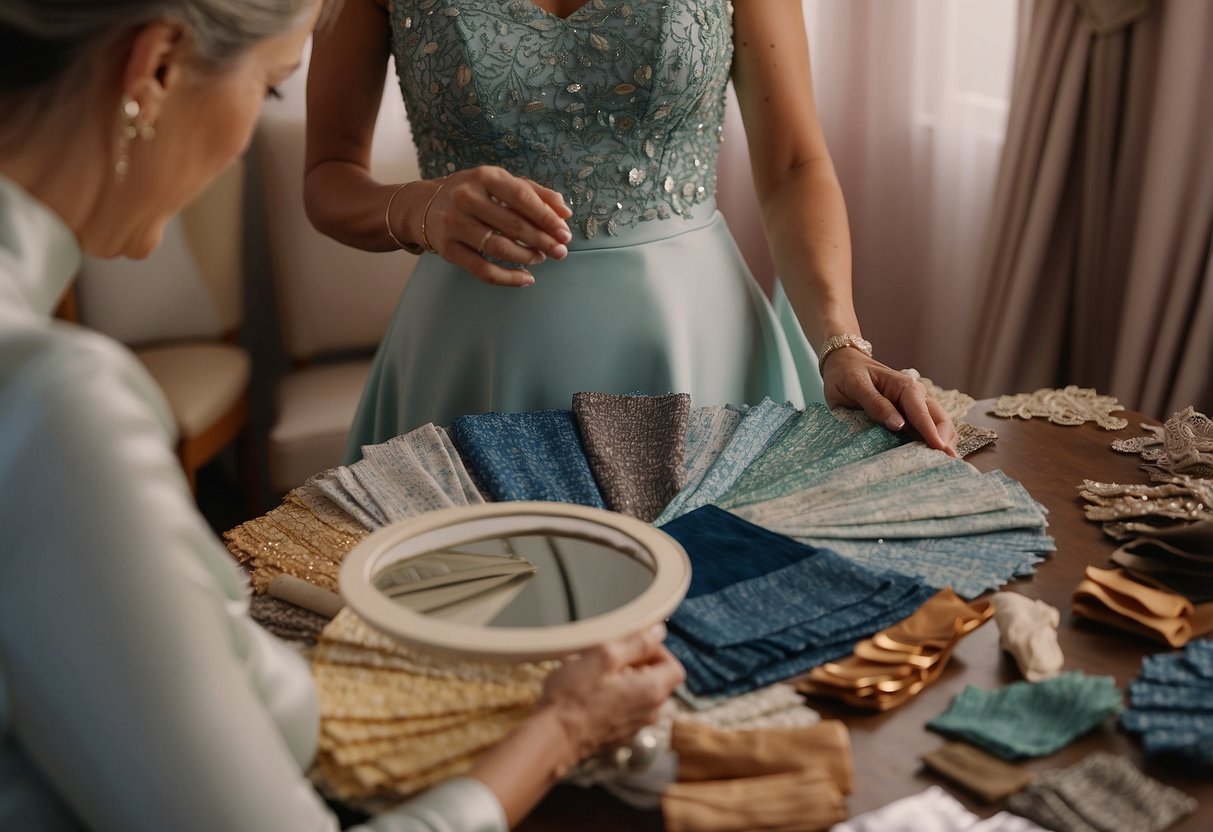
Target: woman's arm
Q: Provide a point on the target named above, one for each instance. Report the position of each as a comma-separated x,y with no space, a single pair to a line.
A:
459,216
805,216
600,698
136,683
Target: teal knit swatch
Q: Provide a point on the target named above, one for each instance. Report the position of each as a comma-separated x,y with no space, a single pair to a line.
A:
1030,719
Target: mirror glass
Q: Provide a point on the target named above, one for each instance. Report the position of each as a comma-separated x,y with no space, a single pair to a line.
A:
530,580
520,580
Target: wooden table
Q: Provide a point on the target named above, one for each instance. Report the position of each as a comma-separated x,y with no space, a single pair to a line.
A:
1050,461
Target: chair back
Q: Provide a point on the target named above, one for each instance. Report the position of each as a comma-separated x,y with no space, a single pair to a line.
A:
331,298
189,288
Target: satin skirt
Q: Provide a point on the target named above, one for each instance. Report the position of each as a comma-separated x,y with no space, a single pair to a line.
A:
666,307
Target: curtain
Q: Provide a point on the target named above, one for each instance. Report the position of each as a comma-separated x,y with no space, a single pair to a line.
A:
1097,268
913,97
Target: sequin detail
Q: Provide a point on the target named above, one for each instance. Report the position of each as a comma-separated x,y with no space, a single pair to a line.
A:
619,106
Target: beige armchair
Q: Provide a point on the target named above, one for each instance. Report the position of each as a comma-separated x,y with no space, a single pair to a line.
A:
334,303
180,311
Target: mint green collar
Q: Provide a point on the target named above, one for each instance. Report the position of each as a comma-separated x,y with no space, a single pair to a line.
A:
39,255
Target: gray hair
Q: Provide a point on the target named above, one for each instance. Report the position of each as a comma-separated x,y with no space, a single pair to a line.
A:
41,40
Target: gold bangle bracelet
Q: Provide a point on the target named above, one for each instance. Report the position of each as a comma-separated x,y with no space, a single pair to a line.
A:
411,248
425,215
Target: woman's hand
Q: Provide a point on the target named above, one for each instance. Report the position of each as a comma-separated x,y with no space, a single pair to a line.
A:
889,397
607,694
488,211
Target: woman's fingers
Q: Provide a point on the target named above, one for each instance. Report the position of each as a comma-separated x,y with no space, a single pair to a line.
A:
473,261
895,400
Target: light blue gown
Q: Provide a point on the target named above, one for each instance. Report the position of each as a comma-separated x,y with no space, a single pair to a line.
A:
619,107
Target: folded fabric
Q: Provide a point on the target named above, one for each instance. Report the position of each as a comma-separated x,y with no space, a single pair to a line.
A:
759,426
984,775
636,448
897,663
1117,599
1101,793
932,810
527,456
1163,564
1030,719
799,801
1171,704
762,608
707,753
1028,631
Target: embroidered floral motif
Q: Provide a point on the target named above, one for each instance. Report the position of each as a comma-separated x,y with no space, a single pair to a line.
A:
619,106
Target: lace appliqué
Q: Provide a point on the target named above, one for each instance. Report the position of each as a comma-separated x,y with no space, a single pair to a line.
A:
619,106
970,437
1070,405
1184,445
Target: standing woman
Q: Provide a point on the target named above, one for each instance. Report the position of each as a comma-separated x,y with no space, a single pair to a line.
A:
570,146
135,692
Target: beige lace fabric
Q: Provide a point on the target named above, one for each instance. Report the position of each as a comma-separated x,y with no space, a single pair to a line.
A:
1070,405
1183,445
970,437
1174,498
394,721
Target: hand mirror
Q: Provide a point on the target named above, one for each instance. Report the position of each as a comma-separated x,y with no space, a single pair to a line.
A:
517,581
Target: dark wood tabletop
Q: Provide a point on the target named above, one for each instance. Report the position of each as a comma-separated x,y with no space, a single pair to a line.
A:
1051,461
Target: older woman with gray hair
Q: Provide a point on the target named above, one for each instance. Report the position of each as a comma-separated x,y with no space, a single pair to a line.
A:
135,692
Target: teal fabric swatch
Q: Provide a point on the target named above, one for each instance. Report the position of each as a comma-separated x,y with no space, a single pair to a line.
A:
1171,704
1030,719
761,425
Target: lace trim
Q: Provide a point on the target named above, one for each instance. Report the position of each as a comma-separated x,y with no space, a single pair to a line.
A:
1184,445
1070,405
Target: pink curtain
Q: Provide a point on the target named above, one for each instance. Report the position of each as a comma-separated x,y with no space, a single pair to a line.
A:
1097,266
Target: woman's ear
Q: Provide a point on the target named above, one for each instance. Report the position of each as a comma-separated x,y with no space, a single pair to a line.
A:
155,67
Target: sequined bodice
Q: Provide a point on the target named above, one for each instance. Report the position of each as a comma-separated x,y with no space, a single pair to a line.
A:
618,107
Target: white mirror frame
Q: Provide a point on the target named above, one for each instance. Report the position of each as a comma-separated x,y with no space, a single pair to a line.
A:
455,526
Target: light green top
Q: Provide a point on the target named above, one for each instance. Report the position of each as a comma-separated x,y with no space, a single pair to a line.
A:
135,692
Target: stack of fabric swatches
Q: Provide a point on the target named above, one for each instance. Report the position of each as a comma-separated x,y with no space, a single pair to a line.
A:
762,607
1127,602
897,663
1171,704
773,780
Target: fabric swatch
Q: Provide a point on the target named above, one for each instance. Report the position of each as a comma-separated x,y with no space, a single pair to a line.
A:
799,801
636,447
706,753
932,810
759,427
527,456
984,775
1030,719
762,608
1171,704
1118,599
1101,792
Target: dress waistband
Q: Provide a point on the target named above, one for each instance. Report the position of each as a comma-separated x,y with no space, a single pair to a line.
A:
704,214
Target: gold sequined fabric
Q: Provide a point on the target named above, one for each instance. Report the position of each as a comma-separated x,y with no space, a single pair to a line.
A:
394,721
1070,405
306,536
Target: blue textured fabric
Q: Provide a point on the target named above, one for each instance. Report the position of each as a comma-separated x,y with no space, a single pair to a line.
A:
725,550
527,456
1171,703
763,607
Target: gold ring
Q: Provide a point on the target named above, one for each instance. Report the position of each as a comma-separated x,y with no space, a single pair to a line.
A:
488,235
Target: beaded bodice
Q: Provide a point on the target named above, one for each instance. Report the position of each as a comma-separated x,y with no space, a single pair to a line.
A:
619,106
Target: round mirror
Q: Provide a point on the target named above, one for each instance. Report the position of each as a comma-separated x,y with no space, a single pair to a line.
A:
519,580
